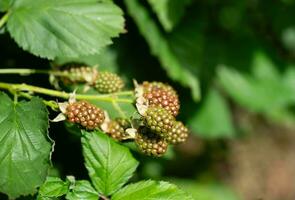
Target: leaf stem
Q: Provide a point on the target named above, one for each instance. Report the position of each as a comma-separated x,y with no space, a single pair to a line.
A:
61,94
119,110
4,19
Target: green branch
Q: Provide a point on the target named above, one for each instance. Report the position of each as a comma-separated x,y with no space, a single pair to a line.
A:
54,93
25,72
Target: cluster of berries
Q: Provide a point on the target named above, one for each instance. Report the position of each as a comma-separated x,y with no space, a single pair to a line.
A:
102,81
159,105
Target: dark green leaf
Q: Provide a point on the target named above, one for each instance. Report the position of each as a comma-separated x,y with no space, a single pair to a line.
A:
109,164
82,190
67,28
151,190
214,118
160,48
169,12
4,5
25,149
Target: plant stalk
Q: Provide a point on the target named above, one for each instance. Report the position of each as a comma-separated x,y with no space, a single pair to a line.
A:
4,19
61,94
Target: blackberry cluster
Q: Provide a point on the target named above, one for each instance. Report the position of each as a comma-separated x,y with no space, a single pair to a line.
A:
151,144
158,104
158,94
178,133
87,115
103,82
116,128
159,120
108,82
79,73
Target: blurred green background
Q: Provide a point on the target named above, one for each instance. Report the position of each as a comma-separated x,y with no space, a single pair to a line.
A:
233,64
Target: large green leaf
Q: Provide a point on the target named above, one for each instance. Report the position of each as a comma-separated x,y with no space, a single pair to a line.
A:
159,46
214,118
151,190
67,28
52,188
109,164
169,12
25,148
4,5
82,190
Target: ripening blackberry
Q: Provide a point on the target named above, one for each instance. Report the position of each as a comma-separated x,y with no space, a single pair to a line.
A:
159,120
151,144
87,115
178,133
116,128
108,82
161,95
78,73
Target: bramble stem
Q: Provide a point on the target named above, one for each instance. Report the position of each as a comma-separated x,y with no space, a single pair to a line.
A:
4,19
26,72
61,94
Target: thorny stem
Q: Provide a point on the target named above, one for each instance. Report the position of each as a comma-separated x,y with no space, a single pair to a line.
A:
61,94
52,104
25,72
4,19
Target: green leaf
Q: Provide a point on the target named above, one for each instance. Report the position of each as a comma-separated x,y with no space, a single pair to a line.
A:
67,28
169,12
109,164
4,5
151,190
52,188
214,118
25,149
160,48
82,190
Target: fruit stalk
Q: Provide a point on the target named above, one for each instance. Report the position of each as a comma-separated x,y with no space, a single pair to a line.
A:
61,94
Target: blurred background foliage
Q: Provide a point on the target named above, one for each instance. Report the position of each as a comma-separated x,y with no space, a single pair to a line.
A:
233,64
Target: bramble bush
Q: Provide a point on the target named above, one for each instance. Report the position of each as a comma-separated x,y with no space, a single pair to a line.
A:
123,88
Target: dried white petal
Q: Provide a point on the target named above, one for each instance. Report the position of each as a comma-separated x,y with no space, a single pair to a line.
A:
60,117
63,106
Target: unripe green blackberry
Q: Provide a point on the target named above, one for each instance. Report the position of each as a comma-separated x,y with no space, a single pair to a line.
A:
108,82
178,133
161,95
116,129
87,115
151,144
159,120
78,73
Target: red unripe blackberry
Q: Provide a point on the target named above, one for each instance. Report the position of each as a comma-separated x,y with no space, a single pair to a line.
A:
161,95
79,73
116,128
151,144
159,120
108,82
87,115
178,133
